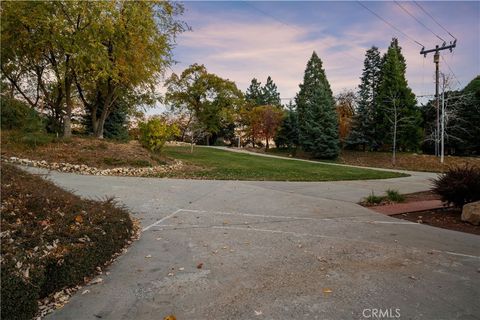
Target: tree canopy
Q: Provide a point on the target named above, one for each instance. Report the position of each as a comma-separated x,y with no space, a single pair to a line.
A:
55,51
211,100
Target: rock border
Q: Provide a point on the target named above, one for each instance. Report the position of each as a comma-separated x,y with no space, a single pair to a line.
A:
87,170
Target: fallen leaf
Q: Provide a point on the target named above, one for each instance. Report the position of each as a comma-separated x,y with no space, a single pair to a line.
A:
258,313
85,291
327,290
181,269
79,219
148,256
171,274
200,265
412,277
170,317
98,280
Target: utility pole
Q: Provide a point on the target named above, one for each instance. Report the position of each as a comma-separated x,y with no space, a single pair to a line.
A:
442,147
436,60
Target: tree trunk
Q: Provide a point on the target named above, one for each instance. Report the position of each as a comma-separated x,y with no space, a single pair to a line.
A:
101,123
67,123
394,155
267,146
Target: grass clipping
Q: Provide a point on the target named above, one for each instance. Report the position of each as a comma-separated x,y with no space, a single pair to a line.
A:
52,240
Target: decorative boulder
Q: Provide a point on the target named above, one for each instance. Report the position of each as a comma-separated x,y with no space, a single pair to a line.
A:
471,213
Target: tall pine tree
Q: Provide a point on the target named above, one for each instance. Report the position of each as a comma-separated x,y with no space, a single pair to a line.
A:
270,93
394,93
363,126
317,118
254,93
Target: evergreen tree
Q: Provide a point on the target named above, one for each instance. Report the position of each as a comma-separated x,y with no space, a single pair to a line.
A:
394,93
317,117
270,94
363,126
116,123
287,135
468,111
254,93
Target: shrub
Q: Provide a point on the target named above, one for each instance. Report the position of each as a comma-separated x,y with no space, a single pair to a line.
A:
374,199
51,239
26,125
394,196
155,132
17,115
459,185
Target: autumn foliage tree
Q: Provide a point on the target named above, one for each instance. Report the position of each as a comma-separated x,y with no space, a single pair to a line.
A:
209,101
264,122
345,112
60,54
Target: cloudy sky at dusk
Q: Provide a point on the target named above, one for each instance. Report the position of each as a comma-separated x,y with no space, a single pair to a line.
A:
240,40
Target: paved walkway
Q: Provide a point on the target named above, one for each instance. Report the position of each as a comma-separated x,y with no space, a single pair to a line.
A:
275,250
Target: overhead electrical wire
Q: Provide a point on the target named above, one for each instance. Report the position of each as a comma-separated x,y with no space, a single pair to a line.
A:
451,71
293,26
419,21
431,17
389,24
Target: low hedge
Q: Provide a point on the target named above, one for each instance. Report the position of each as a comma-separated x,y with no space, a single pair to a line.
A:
51,239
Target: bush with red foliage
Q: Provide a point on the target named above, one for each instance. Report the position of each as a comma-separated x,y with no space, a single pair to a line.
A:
459,185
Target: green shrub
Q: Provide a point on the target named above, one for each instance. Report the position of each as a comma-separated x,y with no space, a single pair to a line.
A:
18,295
459,185
395,196
17,115
59,237
374,199
155,133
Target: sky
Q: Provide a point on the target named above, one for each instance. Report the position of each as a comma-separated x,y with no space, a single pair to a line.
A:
241,40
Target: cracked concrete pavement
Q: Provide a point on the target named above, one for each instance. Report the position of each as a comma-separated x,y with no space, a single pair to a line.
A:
276,250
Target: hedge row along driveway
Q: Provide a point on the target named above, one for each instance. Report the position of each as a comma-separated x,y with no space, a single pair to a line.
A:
51,239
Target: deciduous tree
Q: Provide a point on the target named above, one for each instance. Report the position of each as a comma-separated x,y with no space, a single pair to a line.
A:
212,101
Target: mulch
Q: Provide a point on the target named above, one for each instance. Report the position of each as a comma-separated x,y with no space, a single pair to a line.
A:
427,208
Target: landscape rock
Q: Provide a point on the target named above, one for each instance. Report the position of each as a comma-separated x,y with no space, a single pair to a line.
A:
471,213
84,169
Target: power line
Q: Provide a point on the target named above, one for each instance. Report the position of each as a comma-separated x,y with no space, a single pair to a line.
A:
271,16
451,71
431,17
419,21
389,24
292,26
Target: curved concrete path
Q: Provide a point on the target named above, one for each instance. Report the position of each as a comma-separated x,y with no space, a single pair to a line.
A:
276,250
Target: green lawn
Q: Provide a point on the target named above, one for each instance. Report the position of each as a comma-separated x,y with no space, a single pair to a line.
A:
209,163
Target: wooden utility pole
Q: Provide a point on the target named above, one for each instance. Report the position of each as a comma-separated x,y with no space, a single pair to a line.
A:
436,60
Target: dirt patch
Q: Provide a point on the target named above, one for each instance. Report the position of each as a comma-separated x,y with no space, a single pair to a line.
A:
448,218
102,154
406,161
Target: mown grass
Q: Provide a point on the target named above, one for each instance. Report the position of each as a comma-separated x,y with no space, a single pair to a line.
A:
210,163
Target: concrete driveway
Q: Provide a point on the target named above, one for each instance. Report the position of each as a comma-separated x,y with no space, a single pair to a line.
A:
276,250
